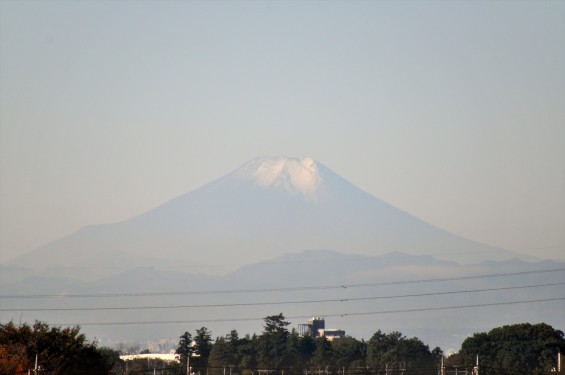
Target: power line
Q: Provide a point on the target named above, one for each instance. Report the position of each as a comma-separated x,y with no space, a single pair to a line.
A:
277,303
448,307
271,290
383,312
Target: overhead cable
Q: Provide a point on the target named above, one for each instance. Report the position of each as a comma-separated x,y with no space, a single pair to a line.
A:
281,289
277,302
346,314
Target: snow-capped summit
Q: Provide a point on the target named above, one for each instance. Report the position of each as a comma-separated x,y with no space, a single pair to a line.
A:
297,176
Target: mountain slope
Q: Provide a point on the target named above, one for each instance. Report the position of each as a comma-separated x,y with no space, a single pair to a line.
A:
267,207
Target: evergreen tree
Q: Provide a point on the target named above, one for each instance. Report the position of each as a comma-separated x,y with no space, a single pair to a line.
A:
185,349
349,353
247,352
221,355
272,347
293,350
323,355
202,347
306,348
234,341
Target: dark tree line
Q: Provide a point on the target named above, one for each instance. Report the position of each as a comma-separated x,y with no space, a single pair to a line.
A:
514,349
58,351
277,350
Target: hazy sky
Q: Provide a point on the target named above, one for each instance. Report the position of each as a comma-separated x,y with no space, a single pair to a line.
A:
452,111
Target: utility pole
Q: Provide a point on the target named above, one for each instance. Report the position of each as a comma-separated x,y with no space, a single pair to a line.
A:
476,368
442,367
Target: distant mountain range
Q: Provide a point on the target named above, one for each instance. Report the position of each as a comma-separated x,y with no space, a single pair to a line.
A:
278,235
441,302
267,207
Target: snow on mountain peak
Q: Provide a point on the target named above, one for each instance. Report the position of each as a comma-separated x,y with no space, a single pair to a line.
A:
295,175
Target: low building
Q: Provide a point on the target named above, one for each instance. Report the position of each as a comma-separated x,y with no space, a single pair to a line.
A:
316,327
332,334
171,357
312,328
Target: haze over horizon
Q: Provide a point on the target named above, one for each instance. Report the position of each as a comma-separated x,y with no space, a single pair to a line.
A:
453,112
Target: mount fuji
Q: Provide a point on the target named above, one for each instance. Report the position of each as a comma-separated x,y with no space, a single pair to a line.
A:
267,207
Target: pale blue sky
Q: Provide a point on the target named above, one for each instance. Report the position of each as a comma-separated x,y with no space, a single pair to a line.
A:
452,111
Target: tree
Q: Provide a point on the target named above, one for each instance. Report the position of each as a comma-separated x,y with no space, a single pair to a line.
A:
185,349
293,349
276,325
398,353
349,352
306,348
202,347
323,355
13,358
112,357
221,356
235,347
522,348
437,352
59,350
378,348
247,351
272,347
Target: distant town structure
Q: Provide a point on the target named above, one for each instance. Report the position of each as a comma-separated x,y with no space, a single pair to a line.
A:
312,328
316,327
171,357
332,334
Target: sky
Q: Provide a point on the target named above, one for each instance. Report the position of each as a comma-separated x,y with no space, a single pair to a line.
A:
451,111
